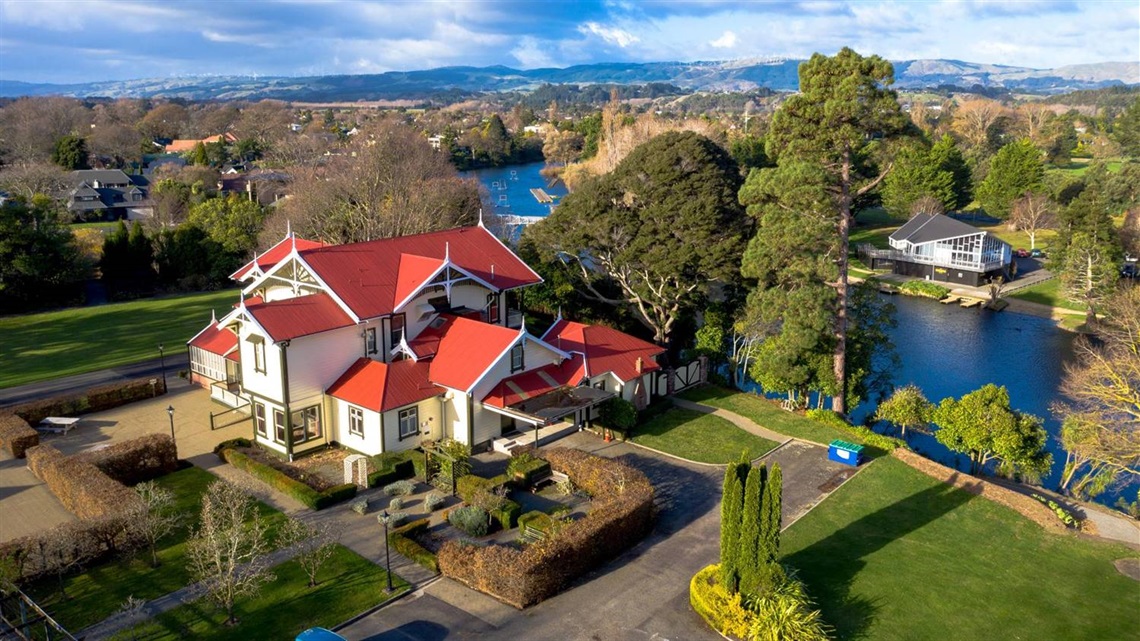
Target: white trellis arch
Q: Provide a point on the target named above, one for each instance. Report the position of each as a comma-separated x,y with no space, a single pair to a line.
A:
356,470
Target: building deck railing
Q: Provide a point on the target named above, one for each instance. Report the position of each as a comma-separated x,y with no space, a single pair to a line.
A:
870,251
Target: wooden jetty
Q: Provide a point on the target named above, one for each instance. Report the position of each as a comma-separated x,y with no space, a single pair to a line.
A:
541,196
971,302
950,299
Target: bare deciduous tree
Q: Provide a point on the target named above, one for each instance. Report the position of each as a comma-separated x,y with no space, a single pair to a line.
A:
314,542
228,553
394,186
973,120
157,517
1032,213
29,179
1101,419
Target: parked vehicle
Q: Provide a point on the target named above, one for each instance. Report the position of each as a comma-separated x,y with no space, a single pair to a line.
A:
1022,253
1037,253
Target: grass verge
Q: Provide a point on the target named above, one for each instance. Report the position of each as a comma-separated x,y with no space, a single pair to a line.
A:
36,347
99,591
349,584
766,414
1047,293
894,554
700,437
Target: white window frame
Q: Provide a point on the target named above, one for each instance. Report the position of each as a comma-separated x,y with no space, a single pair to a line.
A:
355,421
259,421
404,415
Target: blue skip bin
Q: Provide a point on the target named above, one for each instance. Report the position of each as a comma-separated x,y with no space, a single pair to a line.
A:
844,452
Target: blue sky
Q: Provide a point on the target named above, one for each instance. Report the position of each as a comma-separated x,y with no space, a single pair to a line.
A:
75,41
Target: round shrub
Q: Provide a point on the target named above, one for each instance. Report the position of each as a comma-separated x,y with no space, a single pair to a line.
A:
396,503
400,488
433,501
471,520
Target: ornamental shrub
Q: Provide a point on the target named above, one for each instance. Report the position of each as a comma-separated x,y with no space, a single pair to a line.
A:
400,488
720,608
618,414
433,501
471,520
137,460
403,540
864,435
525,467
360,506
924,289
395,503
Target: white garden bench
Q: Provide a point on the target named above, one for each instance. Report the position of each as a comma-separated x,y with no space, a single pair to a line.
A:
58,424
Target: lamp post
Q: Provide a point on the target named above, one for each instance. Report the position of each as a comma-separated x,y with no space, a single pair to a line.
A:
162,364
384,518
170,411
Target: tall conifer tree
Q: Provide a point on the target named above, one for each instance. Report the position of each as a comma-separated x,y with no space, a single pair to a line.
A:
730,509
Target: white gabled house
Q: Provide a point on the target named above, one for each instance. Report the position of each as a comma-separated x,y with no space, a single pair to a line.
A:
382,344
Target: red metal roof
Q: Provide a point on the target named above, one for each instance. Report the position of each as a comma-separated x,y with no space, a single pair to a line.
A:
606,349
215,340
466,349
383,386
367,276
300,316
413,273
527,385
275,254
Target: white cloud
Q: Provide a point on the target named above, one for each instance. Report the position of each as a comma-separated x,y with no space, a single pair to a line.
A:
531,55
612,35
726,41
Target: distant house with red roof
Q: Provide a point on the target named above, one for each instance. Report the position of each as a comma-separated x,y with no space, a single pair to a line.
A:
183,145
381,345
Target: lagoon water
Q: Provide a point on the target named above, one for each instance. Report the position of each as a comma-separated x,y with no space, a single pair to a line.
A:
944,349
515,182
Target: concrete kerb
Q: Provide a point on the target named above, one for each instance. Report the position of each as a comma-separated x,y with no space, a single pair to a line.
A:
418,590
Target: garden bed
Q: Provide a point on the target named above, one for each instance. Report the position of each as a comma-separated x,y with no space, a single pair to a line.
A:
307,470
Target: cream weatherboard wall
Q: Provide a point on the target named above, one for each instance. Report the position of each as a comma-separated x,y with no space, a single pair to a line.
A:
267,383
428,411
368,443
316,361
454,415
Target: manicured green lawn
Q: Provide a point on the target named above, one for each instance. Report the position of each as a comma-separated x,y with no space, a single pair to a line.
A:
349,584
700,437
895,554
766,414
1047,293
98,592
36,347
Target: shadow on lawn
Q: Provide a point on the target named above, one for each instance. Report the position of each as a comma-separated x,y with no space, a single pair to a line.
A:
829,566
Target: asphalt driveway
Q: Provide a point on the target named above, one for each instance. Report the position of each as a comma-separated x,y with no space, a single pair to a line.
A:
643,594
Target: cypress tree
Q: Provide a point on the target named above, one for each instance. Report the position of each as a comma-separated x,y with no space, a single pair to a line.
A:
730,507
772,519
751,554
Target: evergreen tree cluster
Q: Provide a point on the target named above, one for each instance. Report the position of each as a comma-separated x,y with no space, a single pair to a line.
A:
750,528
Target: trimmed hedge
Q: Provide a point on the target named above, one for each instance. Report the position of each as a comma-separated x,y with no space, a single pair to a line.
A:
508,514
67,545
540,521
469,485
81,486
137,460
622,514
278,480
96,399
402,539
392,467
16,435
524,472
233,442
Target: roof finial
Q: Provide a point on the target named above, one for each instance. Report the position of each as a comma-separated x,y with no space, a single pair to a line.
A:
481,218
447,251
213,317
242,301
522,327
288,228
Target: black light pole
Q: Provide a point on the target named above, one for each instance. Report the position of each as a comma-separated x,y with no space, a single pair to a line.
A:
170,411
387,558
162,363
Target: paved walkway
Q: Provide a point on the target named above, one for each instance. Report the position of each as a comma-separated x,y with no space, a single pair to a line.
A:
743,423
175,361
644,593
27,506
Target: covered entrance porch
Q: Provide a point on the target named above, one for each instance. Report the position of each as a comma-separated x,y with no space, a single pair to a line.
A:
547,417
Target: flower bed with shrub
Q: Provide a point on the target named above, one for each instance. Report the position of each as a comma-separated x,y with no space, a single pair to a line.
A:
403,540
469,485
924,289
622,514
96,399
16,435
472,520
783,612
1066,516
282,482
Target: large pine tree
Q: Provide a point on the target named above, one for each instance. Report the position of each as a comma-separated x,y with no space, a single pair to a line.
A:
832,128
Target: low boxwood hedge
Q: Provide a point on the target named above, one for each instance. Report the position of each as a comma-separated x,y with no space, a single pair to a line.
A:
508,514
392,467
137,460
525,471
402,540
278,480
469,485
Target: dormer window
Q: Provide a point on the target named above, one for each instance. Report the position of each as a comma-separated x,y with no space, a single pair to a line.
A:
396,330
517,358
370,340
